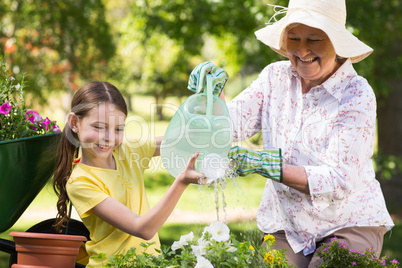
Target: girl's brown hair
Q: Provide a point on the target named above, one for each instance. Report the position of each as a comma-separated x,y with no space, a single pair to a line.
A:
86,98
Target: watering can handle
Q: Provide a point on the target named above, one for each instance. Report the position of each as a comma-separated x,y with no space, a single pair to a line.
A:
210,95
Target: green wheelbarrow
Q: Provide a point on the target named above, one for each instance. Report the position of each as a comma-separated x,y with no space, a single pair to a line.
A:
26,165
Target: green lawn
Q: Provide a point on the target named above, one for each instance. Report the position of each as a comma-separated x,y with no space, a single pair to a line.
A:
238,193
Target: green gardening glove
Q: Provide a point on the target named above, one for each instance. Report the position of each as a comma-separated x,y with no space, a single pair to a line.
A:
267,163
197,80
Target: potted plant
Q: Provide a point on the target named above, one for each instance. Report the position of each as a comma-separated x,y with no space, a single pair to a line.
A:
28,145
215,247
338,254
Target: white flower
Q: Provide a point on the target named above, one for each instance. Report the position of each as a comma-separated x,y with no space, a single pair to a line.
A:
184,239
203,263
219,231
231,249
18,86
201,248
198,250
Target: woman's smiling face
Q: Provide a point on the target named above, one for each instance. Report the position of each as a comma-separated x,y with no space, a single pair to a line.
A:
311,53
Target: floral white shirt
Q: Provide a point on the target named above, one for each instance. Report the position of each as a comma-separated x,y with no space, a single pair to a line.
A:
330,131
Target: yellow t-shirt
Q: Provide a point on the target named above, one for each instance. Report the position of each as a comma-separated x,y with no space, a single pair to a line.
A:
88,186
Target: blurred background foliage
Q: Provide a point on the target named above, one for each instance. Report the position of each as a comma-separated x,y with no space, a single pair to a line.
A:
149,47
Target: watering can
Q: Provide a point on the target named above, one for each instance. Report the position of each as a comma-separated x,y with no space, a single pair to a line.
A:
202,123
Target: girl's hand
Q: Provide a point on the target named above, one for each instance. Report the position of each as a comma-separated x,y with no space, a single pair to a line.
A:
190,175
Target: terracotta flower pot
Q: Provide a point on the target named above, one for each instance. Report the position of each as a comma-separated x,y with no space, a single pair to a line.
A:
46,250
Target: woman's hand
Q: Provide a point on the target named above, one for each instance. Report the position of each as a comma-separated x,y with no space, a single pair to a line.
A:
267,163
189,175
197,80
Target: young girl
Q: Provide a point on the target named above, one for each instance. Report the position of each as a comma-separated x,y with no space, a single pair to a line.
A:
106,186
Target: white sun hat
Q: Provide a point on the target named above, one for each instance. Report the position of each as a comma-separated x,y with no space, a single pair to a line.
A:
326,15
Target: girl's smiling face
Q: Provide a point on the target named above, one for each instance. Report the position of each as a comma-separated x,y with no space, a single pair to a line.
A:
311,53
100,132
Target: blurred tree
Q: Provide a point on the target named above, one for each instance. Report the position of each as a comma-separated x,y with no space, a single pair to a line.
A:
378,24
149,61
57,43
162,41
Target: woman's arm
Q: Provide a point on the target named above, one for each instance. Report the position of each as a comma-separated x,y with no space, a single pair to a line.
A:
146,226
295,177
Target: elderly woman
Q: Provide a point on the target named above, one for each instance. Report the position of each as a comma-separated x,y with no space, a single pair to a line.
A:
320,115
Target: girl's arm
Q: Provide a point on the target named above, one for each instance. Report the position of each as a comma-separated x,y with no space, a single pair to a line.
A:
158,146
115,213
222,96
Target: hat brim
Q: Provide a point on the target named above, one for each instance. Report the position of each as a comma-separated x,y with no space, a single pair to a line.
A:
346,45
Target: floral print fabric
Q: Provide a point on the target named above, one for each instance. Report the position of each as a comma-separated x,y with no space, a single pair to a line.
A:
330,131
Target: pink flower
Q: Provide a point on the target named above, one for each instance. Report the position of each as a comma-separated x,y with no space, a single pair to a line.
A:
46,123
5,108
56,128
33,116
